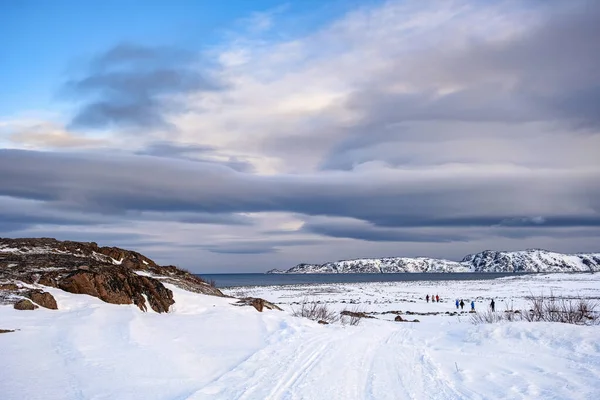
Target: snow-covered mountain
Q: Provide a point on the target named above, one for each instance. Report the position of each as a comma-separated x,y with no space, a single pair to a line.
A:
533,260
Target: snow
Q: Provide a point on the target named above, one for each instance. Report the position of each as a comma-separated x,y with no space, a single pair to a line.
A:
532,260
207,348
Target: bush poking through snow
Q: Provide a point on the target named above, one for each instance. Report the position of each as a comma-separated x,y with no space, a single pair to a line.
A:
546,309
316,312
486,317
568,311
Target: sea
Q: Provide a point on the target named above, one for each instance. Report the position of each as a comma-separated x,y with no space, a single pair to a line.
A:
258,279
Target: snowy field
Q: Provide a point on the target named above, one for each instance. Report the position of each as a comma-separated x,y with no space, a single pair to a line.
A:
206,348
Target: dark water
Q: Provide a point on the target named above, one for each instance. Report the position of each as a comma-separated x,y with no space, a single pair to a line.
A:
228,280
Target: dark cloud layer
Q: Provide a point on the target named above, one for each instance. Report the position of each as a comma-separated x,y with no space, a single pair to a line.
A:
133,87
385,198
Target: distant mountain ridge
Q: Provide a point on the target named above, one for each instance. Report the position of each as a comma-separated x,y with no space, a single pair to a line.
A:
531,260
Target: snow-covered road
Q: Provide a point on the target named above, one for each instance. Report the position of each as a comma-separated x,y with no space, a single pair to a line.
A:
208,349
386,361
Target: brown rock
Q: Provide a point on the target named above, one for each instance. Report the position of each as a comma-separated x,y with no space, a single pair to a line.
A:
5,330
258,304
24,304
398,319
119,285
8,286
43,299
322,322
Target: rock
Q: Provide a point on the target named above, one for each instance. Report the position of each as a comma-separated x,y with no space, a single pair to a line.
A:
257,303
43,299
398,319
24,304
322,322
119,285
356,314
415,320
6,331
109,273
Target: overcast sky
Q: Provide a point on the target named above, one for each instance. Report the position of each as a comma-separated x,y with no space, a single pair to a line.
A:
246,136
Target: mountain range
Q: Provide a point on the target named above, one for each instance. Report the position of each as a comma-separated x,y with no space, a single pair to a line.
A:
531,260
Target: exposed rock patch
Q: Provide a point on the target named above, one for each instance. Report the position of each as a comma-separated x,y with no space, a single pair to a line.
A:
112,274
258,303
356,314
119,285
25,304
43,299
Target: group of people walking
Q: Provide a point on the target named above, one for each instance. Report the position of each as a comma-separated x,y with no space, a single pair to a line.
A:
434,299
459,303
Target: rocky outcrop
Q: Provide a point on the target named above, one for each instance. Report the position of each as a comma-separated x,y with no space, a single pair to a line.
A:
119,285
112,274
24,304
43,299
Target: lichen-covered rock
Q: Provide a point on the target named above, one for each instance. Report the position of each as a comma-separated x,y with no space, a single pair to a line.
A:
24,304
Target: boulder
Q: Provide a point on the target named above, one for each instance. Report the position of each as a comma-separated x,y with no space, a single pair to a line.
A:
43,299
8,286
398,319
119,285
322,322
257,303
24,304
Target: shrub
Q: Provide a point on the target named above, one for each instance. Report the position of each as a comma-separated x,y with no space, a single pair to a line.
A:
547,309
569,311
316,312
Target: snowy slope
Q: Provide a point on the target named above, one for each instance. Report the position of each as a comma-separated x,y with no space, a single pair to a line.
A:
533,260
205,348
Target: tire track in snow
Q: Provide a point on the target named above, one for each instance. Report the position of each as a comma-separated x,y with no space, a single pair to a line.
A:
402,369
382,362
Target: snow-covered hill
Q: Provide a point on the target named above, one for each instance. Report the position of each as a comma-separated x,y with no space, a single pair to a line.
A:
532,260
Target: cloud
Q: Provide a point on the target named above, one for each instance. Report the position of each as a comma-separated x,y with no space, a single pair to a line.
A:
408,127
382,196
191,152
133,87
47,135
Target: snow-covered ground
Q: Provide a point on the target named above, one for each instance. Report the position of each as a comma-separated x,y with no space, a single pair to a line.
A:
207,348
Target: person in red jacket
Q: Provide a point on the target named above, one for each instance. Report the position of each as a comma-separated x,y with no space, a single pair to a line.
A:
437,298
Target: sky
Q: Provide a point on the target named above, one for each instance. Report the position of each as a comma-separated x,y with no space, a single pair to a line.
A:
243,136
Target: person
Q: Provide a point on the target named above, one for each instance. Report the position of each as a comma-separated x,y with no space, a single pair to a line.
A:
472,305
437,298
462,304
456,304
427,298
492,305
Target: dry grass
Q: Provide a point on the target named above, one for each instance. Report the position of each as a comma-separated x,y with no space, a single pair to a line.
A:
546,309
316,311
